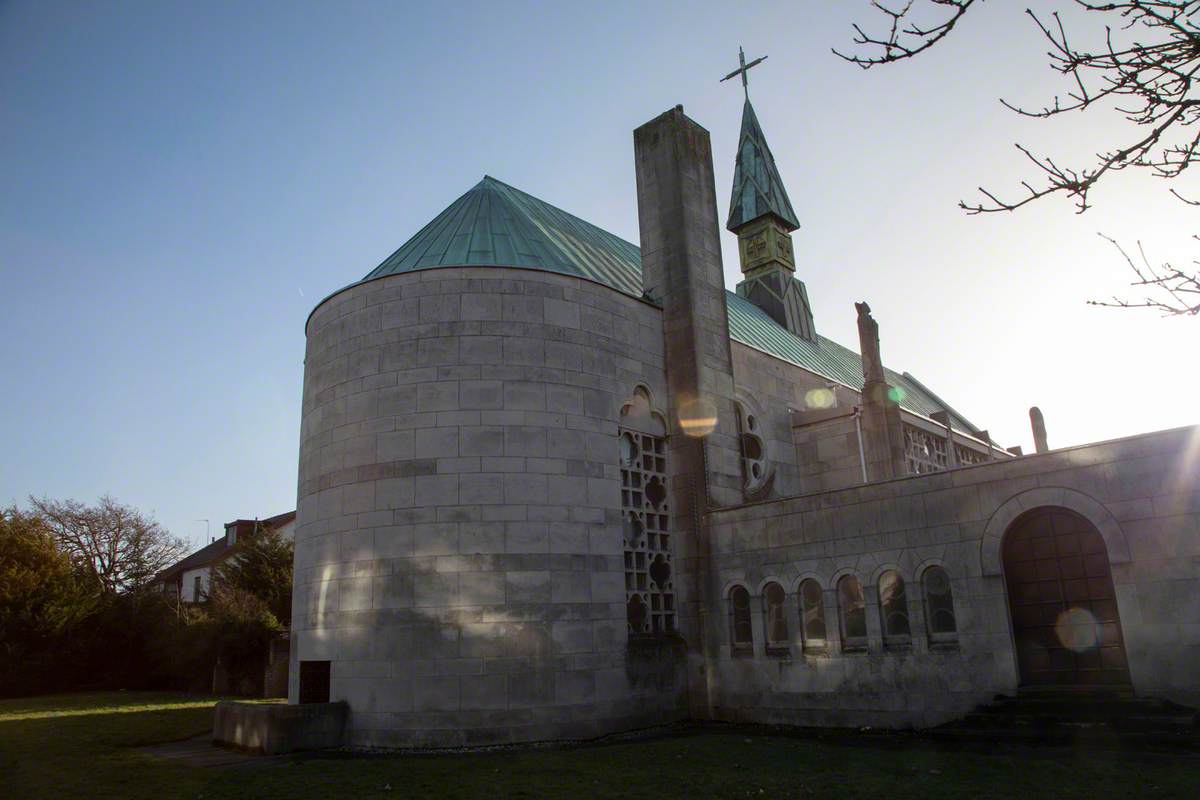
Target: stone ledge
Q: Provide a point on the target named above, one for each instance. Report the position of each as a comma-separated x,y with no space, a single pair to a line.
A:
272,729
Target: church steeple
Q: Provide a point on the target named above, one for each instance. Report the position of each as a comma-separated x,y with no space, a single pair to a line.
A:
757,188
761,215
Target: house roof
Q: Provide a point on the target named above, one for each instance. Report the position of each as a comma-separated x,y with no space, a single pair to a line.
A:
270,522
495,224
206,556
216,551
757,188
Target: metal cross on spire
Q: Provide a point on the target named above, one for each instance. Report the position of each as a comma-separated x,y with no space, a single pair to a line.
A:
743,69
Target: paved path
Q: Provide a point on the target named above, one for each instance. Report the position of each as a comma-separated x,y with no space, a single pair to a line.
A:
199,751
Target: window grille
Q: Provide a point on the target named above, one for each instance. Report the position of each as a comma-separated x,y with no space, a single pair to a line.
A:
649,582
924,451
966,455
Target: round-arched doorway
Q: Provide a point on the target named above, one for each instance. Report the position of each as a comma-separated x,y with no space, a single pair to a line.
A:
1060,595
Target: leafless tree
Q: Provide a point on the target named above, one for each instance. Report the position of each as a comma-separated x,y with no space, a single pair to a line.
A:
1174,292
120,546
1147,70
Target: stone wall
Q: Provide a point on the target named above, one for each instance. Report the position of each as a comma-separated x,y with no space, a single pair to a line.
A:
274,728
766,386
275,673
1141,493
811,449
458,538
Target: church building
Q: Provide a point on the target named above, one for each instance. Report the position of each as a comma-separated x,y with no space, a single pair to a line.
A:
555,485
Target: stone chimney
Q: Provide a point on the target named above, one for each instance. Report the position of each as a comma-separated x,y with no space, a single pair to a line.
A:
882,428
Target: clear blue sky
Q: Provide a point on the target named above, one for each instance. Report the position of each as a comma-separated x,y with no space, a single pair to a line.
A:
184,181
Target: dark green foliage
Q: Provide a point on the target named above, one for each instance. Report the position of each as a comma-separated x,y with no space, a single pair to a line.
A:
72,620
41,592
250,603
261,566
78,608
44,599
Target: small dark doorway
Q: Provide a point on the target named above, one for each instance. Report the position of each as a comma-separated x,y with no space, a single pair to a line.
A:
314,682
1060,595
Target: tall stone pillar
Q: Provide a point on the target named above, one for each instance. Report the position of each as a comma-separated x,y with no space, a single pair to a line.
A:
883,430
681,269
1038,423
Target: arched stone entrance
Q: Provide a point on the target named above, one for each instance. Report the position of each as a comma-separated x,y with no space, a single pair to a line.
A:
1060,594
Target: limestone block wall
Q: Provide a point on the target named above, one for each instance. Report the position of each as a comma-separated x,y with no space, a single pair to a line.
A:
815,457
1141,493
829,449
458,535
812,448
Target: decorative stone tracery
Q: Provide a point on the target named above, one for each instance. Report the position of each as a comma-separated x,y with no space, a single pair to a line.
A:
756,471
966,456
645,512
926,452
923,451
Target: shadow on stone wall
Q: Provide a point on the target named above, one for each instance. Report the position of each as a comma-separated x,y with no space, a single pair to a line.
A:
656,664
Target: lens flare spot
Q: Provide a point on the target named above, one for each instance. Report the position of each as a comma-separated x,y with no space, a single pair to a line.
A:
698,417
1078,630
820,398
896,394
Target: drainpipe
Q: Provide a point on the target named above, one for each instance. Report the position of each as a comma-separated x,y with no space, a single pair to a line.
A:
862,456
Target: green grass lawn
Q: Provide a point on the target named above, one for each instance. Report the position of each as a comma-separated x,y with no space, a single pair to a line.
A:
84,746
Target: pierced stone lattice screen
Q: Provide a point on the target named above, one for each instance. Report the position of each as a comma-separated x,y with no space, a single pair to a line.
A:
966,455
924,451
649,582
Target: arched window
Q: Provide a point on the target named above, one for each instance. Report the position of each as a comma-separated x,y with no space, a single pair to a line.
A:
852,612
893,608
741,630
939,606
776,620
812,615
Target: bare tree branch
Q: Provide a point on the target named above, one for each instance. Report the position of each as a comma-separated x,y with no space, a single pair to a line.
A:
1146,69
121,547
906,38
1151,83
1178,292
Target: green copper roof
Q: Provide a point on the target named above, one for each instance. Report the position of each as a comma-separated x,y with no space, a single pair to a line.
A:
494,224
753,327
757,188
